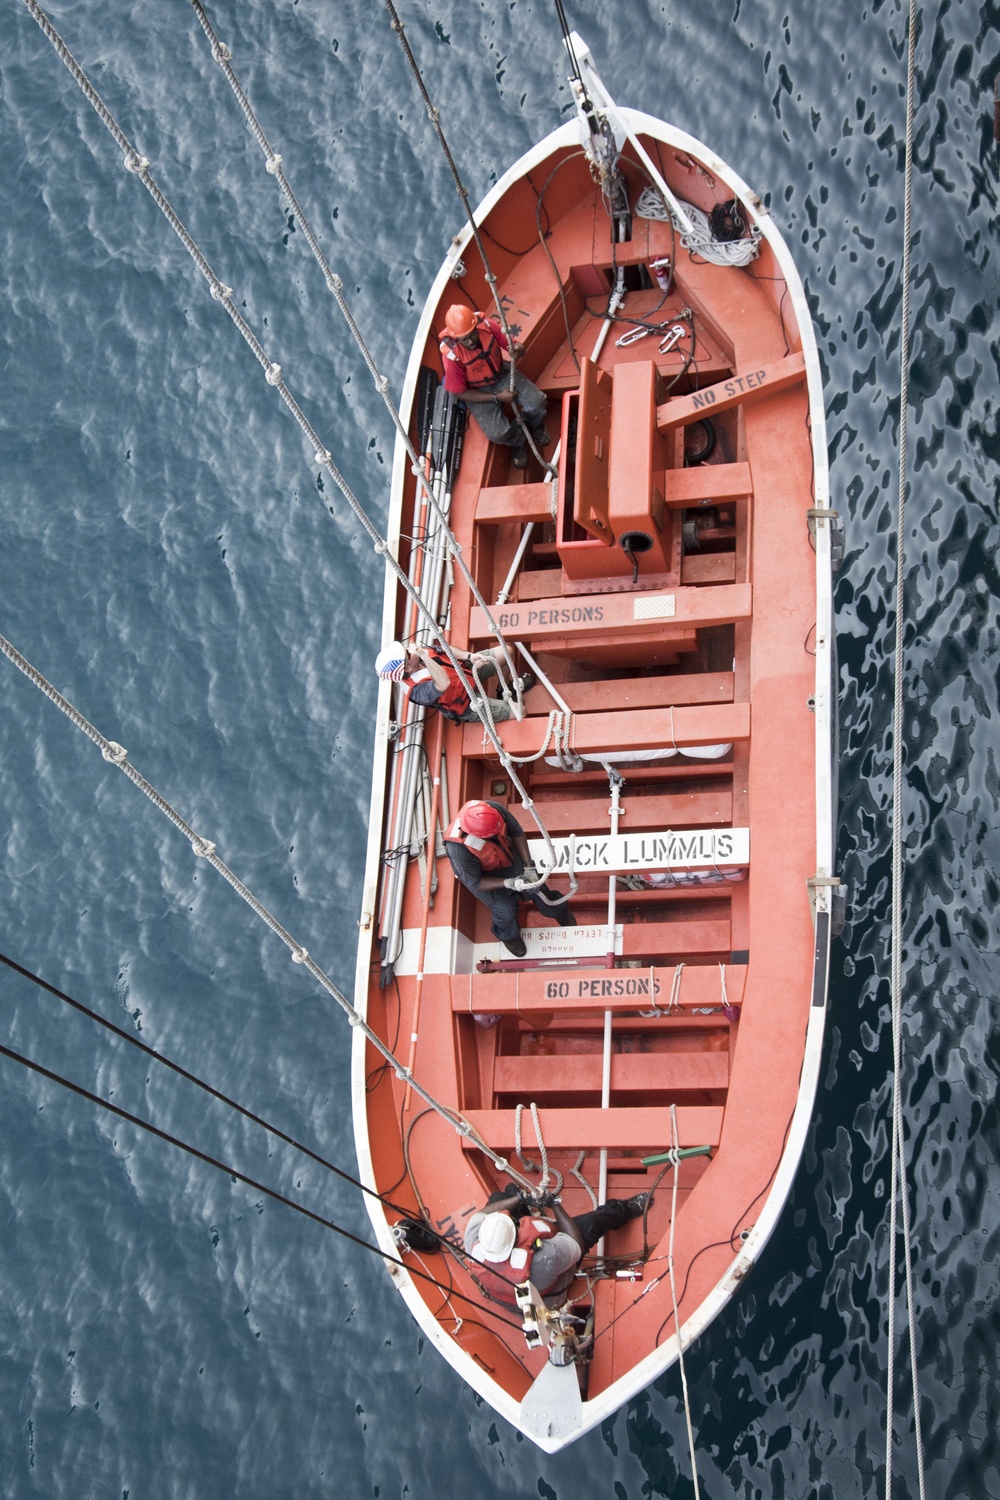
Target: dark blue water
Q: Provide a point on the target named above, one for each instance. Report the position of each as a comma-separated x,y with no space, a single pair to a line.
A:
169,561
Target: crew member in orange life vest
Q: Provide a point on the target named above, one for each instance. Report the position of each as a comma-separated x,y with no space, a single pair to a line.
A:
429,678
472,351
487,848
513,1242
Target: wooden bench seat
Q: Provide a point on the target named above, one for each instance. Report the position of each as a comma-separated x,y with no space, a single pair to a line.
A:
637,692
637,729
665,1073
629,1129
711,809
585,615
585,991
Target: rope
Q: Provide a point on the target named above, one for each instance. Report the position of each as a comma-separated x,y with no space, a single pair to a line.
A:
272,371
898,1173
531,1166
203,848
259,1187
273,161
578,1174
673,1294
700,240
434,115
133,1041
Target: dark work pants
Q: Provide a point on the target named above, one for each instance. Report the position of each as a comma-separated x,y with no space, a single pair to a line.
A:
503,908
601,1221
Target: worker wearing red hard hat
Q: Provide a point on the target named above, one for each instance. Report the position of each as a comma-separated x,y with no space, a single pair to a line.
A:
473,349
487,849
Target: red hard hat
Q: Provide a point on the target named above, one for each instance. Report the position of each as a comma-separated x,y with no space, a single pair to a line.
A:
460,320
481,820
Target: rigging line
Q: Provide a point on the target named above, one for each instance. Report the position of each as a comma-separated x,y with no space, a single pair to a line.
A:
221,293
117,756
163,1135
134,1041
899,1183
673,1297
223,56
434,115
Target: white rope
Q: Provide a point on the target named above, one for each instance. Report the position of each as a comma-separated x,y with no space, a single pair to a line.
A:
139,165
578,1174
117,756
531,1166
899,1184
273,163
673,1294
700,241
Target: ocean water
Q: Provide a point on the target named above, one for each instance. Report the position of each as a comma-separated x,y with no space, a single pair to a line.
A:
172,563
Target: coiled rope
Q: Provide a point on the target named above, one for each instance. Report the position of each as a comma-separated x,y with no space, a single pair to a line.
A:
139,165
899,1185
699,240
116,755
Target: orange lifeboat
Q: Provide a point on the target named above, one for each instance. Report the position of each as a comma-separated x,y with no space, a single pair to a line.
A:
662,568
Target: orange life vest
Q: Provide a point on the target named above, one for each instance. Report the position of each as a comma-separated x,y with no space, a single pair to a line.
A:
500,1278
496,853
455,700
482,365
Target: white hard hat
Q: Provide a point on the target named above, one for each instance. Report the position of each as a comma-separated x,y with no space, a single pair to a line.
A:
497,1236
390,662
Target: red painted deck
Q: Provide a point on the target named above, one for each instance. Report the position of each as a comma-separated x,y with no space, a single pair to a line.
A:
711,647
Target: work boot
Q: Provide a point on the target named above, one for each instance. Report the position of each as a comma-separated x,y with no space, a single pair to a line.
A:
541,437
517,946
528,680
520,455
565,918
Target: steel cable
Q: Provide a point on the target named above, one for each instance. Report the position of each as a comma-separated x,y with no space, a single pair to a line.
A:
899,1185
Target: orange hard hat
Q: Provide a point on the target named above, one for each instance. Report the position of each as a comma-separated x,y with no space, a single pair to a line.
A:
460,320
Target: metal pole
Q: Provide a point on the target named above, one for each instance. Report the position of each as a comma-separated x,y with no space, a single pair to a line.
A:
616,783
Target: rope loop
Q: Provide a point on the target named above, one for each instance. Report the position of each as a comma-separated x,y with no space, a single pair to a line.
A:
300,955
115,753
273,375
202,848
273,165
220,292
136,163
323,457
221,52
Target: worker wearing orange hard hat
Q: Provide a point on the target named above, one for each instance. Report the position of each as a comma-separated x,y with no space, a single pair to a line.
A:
488,852
473,352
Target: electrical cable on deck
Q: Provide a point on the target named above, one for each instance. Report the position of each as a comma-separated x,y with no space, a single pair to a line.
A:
899,1184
